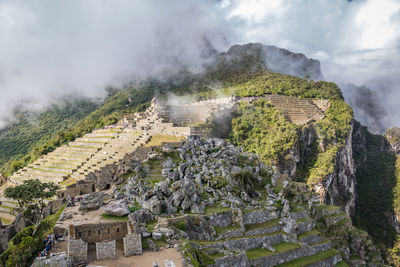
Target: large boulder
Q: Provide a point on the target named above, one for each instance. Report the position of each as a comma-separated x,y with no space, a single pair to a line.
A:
153,205
93,201
189,187
177,197
119,208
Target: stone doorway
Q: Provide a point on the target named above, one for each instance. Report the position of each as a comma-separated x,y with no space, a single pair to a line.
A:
91,253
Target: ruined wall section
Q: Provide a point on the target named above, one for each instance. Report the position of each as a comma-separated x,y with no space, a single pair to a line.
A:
92,233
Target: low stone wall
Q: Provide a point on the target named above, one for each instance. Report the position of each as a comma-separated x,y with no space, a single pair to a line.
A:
229,234
283,257
132,245
263,231
306,226
77,250
79,188
105,250
333,261
299,215
258,216
312,239
244,243
93,233
239,260
222,219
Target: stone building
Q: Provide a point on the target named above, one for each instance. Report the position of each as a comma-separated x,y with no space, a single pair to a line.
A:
87,242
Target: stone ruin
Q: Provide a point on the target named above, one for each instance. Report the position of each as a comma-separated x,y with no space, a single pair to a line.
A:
75,162
104,236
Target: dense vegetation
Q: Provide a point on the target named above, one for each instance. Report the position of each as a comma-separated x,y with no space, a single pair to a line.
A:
29,131
26,245
375,183
23,143
262,129
267,82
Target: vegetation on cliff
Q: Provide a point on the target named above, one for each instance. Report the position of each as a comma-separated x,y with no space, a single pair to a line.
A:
263,130
28,243
23,143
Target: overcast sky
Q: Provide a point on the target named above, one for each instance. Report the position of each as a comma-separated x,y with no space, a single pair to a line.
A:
53,47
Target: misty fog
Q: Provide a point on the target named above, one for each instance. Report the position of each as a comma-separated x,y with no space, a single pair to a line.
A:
51,48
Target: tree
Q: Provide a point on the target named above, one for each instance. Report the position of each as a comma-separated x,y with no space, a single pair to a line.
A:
31,196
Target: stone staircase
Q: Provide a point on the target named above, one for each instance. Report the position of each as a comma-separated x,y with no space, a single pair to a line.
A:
263,227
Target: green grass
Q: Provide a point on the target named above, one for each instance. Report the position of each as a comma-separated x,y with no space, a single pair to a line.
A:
327,207
7,207
336,215
220,230
42,170
342,264
257,253
303,220
311,259
5,221
267,224
309,233
215,209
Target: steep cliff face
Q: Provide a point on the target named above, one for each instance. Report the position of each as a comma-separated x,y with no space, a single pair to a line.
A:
339,188
375,174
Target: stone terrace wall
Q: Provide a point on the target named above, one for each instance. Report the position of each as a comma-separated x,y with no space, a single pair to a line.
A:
92,233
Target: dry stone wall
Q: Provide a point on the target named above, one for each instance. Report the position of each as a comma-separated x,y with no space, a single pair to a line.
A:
105,250
77,250
132,245
92,233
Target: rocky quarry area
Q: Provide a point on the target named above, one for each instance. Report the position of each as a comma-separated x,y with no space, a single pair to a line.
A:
220,206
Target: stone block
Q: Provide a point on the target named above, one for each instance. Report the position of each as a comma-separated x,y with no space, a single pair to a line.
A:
132,245
105,250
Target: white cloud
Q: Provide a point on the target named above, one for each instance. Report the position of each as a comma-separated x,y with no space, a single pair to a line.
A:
356,41
49,47
52,47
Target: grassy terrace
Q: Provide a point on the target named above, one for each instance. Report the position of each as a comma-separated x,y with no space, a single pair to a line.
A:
267,224
309,233
215,209
221,230
68,181
86,147
7,207
311,259
42,170
327,207
205,242
257,253
157,140
5,221
335,215
304,220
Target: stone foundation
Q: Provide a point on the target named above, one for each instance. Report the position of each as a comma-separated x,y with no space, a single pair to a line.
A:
105,250
132,245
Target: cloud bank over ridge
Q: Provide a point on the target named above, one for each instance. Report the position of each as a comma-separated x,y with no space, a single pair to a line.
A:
50,48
